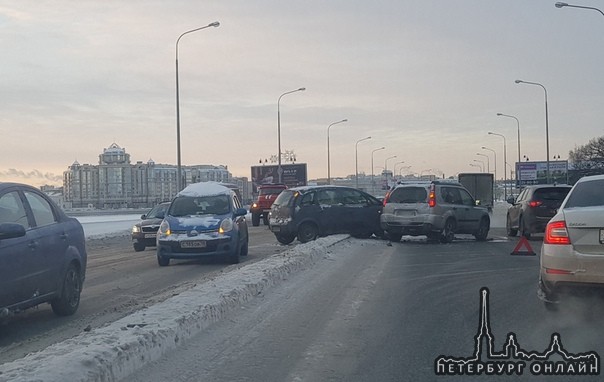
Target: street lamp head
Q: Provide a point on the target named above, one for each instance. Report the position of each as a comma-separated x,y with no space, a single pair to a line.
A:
499,114
518,81
560,5
214,24
301,89
344,120
491,133
484,148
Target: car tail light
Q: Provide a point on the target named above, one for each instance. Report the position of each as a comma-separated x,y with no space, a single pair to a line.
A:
432,196
386,198
552,271
535,203
556,233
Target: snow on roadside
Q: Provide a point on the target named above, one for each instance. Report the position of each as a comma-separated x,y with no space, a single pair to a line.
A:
115,351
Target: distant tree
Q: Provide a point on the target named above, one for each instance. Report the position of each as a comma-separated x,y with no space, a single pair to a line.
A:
587,159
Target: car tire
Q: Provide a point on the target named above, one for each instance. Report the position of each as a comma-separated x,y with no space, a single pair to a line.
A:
508,227
163,261
67,304
235,258
138,247
448,233
394,236
483,230
255,220
285,239
307,232
246,247
522,229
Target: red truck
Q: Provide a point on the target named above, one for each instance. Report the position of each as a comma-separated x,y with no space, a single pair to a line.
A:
267,193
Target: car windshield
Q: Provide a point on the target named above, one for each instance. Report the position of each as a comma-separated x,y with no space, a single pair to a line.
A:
552,193
200,205
158,212
587,194
271,190
408,195
284,198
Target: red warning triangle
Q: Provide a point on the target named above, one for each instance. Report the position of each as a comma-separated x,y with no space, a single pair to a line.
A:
528,251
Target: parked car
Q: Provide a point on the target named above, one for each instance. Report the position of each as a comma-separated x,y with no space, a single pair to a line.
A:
267,193
144,234
311,211
533,208
42,253
204,219
572,254
437,209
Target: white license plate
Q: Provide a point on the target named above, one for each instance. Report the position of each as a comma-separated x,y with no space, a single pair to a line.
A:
193,244
601,235
150,235
404,213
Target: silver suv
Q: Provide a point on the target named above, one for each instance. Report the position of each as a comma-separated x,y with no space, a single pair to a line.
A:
437,209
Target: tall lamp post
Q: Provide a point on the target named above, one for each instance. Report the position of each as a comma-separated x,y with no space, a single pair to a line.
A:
356,159
518,124
386,168
394,169
488,161
546,126
179,163
481,166
279,169
372,182
474,165
505,161
328,162
561,5
494,161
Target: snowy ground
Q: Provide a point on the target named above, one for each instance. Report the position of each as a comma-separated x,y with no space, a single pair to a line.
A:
113,352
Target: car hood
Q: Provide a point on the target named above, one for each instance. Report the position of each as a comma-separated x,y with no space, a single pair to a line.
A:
198,223
148,222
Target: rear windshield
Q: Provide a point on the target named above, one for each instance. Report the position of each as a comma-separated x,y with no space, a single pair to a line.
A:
284,198
271,190
408,195
552,193
587,194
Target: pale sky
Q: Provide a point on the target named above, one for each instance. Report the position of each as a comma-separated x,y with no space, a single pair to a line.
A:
424,78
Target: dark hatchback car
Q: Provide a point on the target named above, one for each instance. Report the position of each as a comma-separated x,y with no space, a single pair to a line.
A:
533,208
311,211
144,234
42,253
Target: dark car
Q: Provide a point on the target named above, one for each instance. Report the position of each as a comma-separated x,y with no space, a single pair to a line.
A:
205,219
533,208
311,211
42,252
144,234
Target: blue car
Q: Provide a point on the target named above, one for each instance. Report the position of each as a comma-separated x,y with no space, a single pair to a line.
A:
42,253
204,219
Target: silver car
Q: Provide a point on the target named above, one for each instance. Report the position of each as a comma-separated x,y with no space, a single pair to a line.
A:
573,245
437,209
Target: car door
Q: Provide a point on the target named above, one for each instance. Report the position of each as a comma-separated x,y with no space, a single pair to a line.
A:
327,211
17,258
362,212
472,213
516,208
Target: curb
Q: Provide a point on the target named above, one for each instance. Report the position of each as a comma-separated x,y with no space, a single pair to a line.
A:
113,352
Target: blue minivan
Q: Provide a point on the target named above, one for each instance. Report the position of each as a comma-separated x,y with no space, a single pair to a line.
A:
204,219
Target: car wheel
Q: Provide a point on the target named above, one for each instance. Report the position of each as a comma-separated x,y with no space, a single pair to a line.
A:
163,261
68,303
235,257
508,227
394,236
245,248
255,220
483,230
522,229
138,247
307,232
448,233
285,239
550,300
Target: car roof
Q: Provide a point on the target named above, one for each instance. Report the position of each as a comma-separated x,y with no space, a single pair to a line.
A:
425,183
5,185
590,178
537,186
319,187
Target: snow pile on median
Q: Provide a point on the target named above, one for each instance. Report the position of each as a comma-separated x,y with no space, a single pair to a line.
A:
113,352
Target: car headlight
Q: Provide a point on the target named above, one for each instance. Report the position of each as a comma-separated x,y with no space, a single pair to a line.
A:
136,229
254,205
164,228
226,225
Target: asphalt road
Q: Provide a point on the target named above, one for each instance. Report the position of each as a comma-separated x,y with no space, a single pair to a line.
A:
374,312
118,282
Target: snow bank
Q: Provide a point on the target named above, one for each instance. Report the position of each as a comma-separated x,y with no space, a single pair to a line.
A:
204,189
113,352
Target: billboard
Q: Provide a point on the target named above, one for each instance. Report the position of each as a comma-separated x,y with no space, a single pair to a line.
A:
536,172
293,175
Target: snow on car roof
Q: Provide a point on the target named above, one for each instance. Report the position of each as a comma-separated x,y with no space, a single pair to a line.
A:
205,189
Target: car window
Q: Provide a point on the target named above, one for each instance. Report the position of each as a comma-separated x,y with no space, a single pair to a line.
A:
41,209
451,195
201,205
284,198
586,194
12,210
349,197
408,195
271,190
522,195
236,202
326,197
307,199
159,211
466,198
554,193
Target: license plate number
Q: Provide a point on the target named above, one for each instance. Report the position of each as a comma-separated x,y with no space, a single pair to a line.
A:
150,235
601,235
193,244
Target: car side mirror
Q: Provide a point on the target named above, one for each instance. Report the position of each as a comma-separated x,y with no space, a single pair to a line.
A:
240,212
11,230
511,199
477,202
143,216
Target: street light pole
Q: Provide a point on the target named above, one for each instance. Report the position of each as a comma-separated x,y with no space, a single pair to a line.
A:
547,177
518,124
394,169
356,159
328,162
279,169
372,182
494,161
505,161
179,163
488,161
474,165
481,164
386,162
560,5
